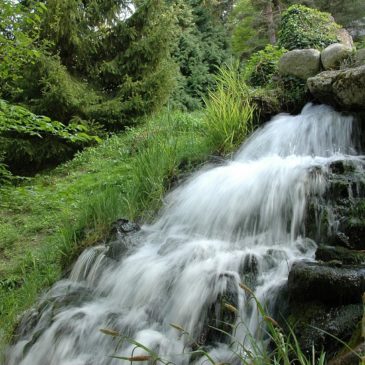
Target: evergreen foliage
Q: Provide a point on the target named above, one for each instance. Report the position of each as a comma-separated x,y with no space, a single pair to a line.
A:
248,33
202,48
303,27
100,66
346,13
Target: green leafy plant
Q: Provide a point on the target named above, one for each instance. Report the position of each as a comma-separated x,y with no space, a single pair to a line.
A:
229,113
19,34
27,138
303,27
262,65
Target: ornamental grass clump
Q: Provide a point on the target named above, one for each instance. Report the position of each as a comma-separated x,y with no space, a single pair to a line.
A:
228,116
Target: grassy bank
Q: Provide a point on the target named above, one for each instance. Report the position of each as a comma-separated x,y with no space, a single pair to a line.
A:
45,222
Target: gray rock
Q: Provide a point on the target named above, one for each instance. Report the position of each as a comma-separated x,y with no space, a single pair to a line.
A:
311,281
344,37
301,63
360,57
334,55
344,89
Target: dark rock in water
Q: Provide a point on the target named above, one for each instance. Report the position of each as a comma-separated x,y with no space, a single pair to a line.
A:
319,325
350,357
338,217
121,238
341,254
310,281
39,318
121,227
221,314
249,270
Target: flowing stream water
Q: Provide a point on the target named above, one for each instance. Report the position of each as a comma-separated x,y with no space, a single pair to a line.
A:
241,221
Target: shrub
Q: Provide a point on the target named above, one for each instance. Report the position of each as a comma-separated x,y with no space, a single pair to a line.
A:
229,113
303,27
30,141
262,65
50,89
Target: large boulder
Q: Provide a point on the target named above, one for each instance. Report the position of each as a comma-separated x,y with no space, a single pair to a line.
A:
301,63
344,88
327,283
334,55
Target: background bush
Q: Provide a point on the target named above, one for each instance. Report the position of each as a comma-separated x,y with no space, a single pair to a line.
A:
29,142
262,65
302,27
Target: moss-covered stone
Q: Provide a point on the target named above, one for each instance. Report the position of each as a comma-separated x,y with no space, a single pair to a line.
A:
327,283
338,217
316,324
341,254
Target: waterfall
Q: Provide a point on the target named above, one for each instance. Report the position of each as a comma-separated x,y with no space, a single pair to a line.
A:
239,222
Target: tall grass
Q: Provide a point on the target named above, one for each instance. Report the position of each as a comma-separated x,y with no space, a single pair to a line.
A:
50,219
53,218
229,113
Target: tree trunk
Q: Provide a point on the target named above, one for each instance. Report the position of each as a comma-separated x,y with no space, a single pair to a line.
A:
269,16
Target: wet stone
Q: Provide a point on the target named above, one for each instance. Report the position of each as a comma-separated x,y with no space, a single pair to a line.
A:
318,325
341,254
121,238
221,314
326,283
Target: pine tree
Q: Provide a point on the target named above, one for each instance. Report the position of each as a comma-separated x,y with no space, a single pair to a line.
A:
202,48
100,65
253,24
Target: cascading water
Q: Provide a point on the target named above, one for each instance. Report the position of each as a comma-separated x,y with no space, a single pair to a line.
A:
238,222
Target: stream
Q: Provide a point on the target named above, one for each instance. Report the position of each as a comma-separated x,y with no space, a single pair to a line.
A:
239,222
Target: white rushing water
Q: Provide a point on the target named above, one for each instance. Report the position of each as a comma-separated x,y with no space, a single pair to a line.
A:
238,222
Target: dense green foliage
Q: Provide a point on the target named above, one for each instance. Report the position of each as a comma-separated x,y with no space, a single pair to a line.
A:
19,33
100,67
202,48
262,65
249,33
347,13
303,27
28,141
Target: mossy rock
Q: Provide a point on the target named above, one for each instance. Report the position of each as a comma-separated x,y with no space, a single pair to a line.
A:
338,217
330,283
340,254
318,325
